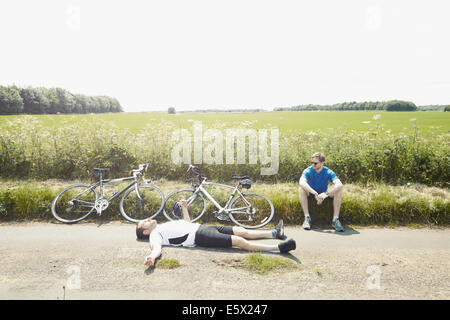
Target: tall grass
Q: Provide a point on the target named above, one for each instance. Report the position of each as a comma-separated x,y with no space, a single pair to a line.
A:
373,204
30,150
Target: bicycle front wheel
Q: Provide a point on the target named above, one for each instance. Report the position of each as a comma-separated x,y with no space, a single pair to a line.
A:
74,203
146,202
251,210
196,204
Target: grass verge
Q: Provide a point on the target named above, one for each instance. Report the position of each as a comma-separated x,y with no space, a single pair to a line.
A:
167,263
375,204
262,264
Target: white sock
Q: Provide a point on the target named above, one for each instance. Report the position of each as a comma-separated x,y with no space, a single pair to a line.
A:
335,218
307,215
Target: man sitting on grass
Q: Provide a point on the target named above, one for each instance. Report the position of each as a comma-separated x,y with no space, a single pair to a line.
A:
188,234
314,185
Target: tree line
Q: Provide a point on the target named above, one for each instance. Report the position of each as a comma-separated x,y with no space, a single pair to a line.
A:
434,107
393,105
29,100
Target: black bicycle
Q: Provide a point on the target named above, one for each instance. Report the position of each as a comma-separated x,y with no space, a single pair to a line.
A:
141,199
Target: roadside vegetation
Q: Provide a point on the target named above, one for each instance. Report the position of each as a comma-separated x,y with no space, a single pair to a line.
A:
391,176
263,264
167,263
28,149
372,204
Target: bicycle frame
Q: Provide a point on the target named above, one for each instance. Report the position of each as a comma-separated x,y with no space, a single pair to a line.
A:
115,195
210,197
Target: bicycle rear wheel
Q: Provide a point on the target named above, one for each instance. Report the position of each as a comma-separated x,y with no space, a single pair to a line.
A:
74,203
196,204
146,203
251,210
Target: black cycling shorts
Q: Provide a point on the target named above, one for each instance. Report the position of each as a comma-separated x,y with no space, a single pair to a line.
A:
214,236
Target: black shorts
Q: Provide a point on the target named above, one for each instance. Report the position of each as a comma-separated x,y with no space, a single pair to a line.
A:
214,236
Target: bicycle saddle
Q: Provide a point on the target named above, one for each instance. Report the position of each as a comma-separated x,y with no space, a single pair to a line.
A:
97,171
240,178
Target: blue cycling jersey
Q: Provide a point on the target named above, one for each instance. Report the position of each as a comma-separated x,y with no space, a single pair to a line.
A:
319,181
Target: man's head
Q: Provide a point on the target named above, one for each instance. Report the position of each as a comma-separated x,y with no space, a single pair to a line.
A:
144,228
317,160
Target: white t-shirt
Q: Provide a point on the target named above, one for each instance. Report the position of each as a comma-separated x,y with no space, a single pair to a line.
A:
174,233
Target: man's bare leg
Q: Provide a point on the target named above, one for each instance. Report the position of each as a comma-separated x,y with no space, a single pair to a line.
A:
304,200
252,234
337,201
242,243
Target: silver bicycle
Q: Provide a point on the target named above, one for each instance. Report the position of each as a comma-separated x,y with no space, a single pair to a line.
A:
141,199
248,210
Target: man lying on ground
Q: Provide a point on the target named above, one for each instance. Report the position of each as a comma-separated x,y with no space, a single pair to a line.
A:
188,234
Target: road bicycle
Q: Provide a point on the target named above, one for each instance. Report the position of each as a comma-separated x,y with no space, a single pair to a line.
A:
141,199
248,210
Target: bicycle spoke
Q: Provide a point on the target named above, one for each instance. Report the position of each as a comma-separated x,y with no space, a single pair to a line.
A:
196,205
74,203
147,203
251,210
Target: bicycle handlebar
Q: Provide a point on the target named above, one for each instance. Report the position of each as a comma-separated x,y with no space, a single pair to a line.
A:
196,171
142,167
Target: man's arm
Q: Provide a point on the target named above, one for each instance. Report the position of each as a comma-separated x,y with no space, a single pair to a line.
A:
337,185
156,252
185,210
304,184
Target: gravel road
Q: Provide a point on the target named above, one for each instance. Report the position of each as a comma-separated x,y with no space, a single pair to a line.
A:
90,261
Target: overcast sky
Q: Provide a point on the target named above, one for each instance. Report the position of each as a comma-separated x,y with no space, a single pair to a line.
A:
195,54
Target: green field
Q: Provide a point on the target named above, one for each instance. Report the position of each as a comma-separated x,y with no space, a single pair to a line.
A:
428,123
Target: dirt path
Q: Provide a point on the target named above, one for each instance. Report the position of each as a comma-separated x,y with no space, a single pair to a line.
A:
106,262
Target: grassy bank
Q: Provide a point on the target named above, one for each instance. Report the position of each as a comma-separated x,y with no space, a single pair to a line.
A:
374,204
